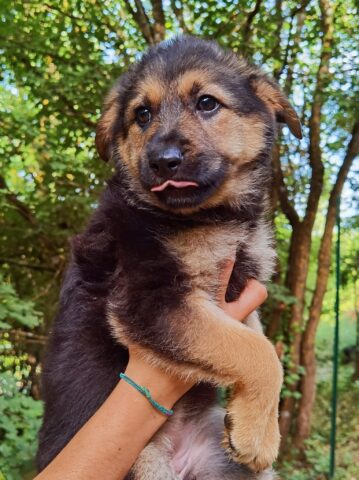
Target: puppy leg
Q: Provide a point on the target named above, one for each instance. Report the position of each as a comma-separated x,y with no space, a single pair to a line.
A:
245,425
153,463
237,403
222,350
231,348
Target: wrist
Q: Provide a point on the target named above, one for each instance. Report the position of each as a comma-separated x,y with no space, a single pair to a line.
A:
147,394
162,387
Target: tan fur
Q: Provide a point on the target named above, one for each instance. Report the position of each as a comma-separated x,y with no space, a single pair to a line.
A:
151,92
240,138
204,81
132,148
257,452
152,89
271,96
183,370
232,349
195,246
228,347
155,463
186,81
219,243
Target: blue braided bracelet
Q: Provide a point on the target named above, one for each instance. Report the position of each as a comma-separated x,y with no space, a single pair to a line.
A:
146,393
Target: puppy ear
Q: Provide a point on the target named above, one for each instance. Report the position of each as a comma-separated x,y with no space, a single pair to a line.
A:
277,102
104,129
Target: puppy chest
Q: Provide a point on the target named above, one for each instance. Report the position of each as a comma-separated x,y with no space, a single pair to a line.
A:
203,250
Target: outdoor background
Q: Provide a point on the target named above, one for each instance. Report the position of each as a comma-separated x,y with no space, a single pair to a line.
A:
57,60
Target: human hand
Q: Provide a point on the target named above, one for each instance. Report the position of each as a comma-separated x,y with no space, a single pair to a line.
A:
251,298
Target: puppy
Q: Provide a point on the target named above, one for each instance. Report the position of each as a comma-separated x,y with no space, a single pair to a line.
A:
190,129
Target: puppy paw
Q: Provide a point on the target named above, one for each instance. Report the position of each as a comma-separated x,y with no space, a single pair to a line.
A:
254,444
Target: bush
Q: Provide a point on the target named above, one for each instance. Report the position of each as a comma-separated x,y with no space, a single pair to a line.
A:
20,419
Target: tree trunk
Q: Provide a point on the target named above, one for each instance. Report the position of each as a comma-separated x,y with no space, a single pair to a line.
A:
307,386
296,283
275,321
301,238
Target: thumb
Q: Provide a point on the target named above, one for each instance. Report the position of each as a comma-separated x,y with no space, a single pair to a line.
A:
251,298
224,277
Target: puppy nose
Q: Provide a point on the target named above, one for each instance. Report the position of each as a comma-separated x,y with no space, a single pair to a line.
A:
167,161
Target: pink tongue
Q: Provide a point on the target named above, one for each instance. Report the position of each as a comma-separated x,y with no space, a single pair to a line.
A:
175,184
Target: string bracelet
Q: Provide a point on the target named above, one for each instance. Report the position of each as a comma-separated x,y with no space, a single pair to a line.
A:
146,393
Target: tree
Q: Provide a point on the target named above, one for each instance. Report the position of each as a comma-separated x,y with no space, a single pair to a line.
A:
307,386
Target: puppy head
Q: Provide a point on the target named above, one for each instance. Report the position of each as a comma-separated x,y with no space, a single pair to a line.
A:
184,121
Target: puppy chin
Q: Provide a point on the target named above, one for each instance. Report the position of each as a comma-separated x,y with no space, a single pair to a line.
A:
182,198
190,198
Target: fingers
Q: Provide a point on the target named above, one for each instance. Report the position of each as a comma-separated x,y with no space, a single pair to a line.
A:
224,278
250,299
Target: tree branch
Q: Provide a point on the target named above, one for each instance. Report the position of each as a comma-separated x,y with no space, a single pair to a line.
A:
140,16
292,44
300,8
286,205
276,50
315,154
25,213
159,18
27,337
31,266
351,153
21,207
248,23
178,11
290,59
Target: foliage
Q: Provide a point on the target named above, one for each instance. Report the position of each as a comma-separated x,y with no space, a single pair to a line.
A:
20,417
15,310
20,414
316,464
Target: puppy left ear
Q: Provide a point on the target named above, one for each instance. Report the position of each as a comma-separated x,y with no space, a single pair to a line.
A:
104,129
277,102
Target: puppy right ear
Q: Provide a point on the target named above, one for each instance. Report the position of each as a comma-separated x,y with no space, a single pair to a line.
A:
104,129
269,92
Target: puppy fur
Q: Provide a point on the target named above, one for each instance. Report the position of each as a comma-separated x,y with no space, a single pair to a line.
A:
146,270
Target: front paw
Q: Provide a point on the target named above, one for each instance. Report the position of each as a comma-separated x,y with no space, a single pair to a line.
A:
253,438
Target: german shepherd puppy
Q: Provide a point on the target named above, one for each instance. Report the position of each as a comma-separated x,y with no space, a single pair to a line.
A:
190,128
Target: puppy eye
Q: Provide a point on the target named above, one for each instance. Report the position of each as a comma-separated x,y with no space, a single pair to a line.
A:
206,103
143,116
